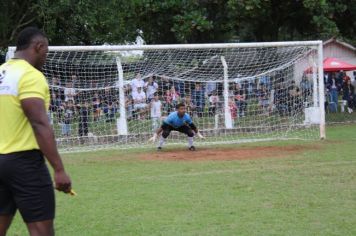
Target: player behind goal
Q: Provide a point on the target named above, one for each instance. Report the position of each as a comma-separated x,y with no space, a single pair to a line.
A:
179,121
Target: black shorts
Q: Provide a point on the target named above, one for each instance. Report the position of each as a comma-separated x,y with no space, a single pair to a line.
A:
26,185
185,129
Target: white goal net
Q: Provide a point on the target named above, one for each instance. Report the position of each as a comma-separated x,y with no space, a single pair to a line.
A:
116,96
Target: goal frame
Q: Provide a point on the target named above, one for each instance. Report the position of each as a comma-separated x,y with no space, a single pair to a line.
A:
317,70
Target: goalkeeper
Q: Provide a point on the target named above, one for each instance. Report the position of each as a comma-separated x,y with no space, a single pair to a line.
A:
179,121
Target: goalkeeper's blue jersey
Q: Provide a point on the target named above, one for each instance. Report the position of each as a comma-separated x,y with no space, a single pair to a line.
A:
175,121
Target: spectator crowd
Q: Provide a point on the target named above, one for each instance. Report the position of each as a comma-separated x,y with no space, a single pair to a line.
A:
340,92
154,97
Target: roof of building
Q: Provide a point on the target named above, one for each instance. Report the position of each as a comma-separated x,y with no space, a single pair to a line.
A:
341,43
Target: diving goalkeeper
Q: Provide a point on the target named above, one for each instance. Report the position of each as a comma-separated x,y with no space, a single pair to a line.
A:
179,121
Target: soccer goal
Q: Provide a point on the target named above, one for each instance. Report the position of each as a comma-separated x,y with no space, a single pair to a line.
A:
116,96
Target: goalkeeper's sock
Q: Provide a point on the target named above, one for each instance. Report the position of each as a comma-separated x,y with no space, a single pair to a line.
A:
190,141
161,141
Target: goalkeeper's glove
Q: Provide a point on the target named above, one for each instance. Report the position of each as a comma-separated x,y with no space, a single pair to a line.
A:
200,135
153,138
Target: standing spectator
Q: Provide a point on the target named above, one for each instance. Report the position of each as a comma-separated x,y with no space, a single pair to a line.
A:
263,99
83,121
139,102
333,87
74,80
164,84
296,100
213,103
171,99
340,79
326,78
306,87
129,104
210,88
281,99
137,83
199,99
266,82
56,88
244,86
168,101
240,98
345,78
233,110
151,88
68,115
251,89
54,107
156,112
189,105
349,96
354,80
69,92
174,96
291,86
96,103
179,85
294,95
108,106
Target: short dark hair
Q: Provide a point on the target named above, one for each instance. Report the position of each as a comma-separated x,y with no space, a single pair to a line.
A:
26,36
179,105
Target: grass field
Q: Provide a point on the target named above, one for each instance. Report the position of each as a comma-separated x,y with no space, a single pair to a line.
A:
310,192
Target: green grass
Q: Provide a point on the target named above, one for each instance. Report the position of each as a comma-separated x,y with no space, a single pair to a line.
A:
340,117
309,193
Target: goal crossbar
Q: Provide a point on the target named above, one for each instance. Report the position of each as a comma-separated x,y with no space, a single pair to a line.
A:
181,46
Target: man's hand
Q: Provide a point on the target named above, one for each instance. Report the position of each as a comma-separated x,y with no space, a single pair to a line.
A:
62,181
153,138
200,135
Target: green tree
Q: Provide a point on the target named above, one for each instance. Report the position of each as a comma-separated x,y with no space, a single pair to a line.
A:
88,22
271,20
15,15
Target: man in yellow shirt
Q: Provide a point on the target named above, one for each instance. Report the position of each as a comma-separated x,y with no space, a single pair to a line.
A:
26,137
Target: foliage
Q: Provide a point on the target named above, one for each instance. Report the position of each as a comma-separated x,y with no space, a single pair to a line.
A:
185,21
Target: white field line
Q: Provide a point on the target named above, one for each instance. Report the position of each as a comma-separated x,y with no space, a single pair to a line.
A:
233,171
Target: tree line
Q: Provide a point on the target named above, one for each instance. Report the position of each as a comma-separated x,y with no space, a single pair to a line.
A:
94,22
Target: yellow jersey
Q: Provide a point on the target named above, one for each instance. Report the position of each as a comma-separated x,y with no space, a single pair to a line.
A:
19,80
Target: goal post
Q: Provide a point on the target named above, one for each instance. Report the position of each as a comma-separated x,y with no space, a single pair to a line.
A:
117,95
321,91
227,112
121,122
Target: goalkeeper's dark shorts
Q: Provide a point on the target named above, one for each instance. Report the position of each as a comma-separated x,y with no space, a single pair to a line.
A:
26,185
185,129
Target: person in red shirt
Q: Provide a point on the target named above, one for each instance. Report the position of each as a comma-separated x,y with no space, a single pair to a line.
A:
233,110
345,79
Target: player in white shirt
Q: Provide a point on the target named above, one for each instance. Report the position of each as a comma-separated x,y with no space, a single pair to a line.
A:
156,112
151,88
69,92
139,98
137,83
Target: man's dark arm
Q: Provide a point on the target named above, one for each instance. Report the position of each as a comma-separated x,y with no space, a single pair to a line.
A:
34,109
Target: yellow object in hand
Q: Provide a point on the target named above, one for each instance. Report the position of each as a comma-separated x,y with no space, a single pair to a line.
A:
72,193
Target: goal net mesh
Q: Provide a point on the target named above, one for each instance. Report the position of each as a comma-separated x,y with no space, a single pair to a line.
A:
233,94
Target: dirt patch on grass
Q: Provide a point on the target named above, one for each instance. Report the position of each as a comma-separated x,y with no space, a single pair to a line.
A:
217,154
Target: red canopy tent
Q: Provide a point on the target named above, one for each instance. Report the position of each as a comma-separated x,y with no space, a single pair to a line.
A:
332,64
